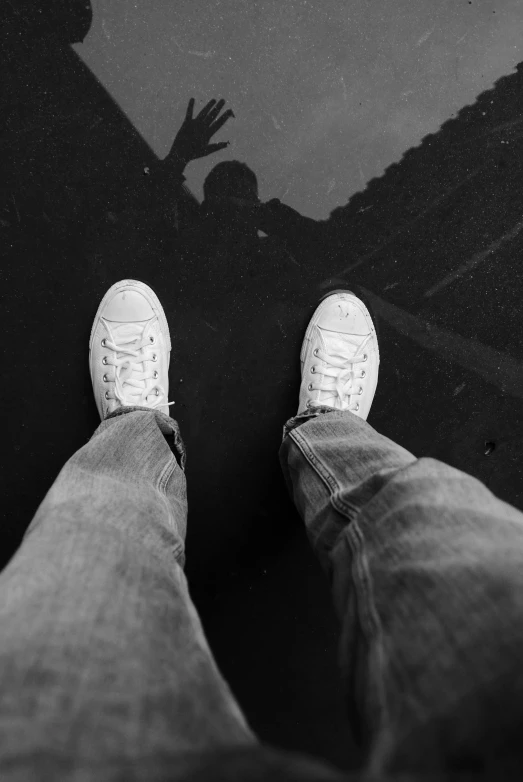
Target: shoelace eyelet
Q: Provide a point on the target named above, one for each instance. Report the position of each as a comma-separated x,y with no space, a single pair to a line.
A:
105,379
104,360
152,339
310,386
313,370
315,352
363,373
360,392
155,374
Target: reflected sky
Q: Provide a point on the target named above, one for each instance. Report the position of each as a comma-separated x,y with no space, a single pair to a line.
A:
326,94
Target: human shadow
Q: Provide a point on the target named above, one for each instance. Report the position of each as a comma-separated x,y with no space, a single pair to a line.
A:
421,245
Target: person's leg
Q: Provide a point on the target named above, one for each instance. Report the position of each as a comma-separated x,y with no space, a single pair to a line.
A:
425,566
102,653
105,671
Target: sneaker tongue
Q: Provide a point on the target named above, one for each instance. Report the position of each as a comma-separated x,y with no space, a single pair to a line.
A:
344,347
124,334
341,345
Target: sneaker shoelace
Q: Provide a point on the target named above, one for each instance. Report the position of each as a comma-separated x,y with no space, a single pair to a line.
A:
341,370
129,374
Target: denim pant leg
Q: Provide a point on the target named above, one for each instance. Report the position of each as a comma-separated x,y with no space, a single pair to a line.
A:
425,566
105,671
110,661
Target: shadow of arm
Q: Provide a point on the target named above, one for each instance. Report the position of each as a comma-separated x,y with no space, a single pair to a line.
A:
288,225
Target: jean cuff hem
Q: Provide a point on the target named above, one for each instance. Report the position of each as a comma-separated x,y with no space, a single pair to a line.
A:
301,418
167,425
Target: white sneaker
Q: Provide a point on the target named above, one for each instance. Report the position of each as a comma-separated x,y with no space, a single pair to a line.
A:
129,350
339,356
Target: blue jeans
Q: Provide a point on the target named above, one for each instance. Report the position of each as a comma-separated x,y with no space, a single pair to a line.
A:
105,671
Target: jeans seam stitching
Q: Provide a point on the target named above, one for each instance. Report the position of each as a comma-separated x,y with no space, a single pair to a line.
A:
167,472
346,508
165,477
355,539
366,607
314,462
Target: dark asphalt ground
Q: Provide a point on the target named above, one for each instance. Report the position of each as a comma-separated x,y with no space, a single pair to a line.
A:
434,248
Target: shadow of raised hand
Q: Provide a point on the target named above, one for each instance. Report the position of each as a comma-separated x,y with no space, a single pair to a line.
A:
192,140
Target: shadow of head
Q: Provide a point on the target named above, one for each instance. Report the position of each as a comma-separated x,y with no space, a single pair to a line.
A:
230,192
67,21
